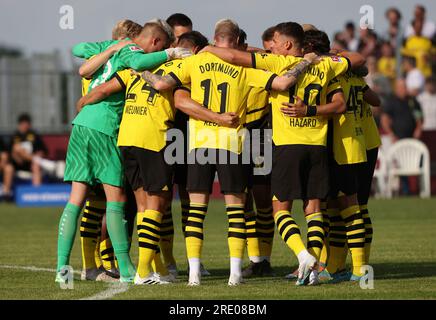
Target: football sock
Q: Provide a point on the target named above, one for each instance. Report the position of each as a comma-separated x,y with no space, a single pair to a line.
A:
368,231
194,266
235,266
194,229
158,265
236,235
337,240
265,231
252,239
185,211
325,248
107,254
289,231
315,234
90,228
167,237
355,231
117,230
149,223
66,233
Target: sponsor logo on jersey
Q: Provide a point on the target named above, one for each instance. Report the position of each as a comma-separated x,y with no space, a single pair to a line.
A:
135,48
336,58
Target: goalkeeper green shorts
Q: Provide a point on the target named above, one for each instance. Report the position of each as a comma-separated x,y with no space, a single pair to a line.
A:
93,157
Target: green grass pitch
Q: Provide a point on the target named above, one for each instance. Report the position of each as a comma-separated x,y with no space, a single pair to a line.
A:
403,258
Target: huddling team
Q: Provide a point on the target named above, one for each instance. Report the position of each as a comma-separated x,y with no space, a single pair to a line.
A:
150,80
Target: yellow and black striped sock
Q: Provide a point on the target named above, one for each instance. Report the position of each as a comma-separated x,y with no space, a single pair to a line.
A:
368,231
325,248
107,254
355,230
90,228
167,237
185,210
158,265
315,234
337,240
148,227
289,231
236,235
265,230
194,229
252,239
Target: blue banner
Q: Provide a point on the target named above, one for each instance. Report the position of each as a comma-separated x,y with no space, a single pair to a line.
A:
46,195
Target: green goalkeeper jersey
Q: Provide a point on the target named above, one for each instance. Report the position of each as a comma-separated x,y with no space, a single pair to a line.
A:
105,116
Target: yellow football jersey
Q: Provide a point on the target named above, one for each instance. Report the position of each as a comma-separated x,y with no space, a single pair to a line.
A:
370,130
85,86
348,137
257,106
311,87
148,113
221,87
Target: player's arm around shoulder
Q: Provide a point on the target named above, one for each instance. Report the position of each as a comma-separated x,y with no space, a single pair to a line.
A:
179,75
101,92
287,80
229,55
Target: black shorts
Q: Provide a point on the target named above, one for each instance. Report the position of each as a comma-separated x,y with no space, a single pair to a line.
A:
233,178
24,166
258,143
365,175
147,169
343,178
299,172
181,169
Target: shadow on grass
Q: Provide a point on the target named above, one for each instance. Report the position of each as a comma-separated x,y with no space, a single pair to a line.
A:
382,271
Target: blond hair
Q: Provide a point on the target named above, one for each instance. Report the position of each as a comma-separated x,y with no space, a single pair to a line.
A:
227,28
126,29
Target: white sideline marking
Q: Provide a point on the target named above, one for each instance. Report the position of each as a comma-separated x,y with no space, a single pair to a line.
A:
31,268
114,288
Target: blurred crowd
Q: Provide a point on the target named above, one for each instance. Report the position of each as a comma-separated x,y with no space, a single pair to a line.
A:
401,65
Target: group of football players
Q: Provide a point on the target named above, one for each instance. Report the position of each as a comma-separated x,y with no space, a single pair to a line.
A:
156,87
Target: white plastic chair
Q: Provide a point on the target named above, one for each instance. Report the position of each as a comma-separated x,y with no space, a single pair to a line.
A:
380,175
409,157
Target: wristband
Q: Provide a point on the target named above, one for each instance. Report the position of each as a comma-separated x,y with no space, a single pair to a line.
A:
311,111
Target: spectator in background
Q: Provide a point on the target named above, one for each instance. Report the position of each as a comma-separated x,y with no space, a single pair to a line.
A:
5,170
180,23
428,27
401,114
338,44
427,99
393,34
349,36
415,80
27,151
419,47
368,45
387,64
402,118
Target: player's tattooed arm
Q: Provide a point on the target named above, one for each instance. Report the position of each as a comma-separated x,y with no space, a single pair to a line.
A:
183,102
159,82
99,93
90,66
288,79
